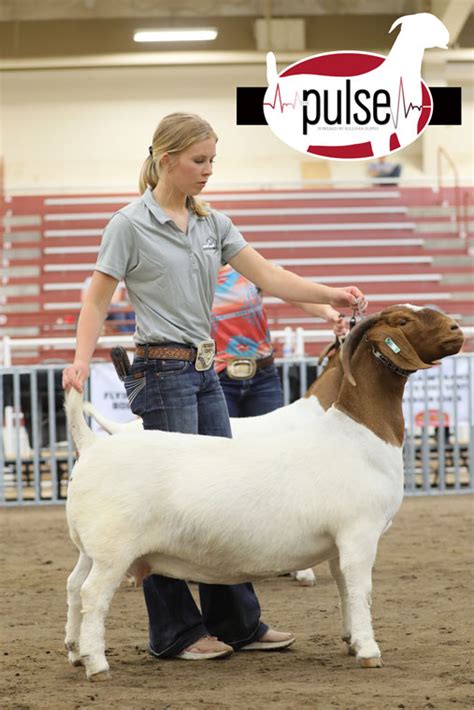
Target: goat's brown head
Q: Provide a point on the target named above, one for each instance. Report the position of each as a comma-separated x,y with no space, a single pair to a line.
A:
410,337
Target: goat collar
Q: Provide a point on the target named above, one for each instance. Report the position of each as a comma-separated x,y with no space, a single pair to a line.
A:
388,363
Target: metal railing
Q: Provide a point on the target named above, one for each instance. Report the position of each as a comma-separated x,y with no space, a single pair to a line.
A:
467,199
293,341
442,153
37,455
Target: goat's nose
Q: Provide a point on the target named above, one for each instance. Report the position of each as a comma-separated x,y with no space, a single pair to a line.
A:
454,326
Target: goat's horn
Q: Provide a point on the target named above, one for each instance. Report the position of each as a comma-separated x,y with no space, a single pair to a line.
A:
352,341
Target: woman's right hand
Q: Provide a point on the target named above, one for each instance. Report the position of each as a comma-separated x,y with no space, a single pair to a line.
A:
75,375
348,296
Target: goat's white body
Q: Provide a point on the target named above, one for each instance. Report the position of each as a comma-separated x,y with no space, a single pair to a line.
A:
298,416
193,505
300,413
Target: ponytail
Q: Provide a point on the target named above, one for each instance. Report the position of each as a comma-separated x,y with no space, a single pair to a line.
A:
148,175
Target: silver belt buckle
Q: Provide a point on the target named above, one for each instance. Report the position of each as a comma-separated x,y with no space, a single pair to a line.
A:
205,355
242,369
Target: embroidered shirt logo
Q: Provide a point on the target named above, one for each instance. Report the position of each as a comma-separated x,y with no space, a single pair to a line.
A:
210,244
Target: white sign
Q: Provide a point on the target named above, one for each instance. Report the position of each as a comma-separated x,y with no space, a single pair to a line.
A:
456,388
108,395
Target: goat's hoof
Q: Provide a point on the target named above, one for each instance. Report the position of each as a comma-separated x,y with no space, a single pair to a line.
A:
347,650
306,581
100,677
75,662
73,656
370,662
304,577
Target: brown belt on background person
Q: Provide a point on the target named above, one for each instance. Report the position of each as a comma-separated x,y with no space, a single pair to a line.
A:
243,368
166,352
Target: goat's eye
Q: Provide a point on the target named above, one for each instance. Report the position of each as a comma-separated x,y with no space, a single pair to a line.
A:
403,321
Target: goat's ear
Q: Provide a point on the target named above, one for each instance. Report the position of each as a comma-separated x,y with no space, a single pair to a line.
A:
393,343
335,345
396,23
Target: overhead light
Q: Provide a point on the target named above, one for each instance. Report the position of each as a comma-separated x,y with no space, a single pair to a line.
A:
176,35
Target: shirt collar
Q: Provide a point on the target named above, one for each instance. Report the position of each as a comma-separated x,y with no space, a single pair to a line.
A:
154,207
160,214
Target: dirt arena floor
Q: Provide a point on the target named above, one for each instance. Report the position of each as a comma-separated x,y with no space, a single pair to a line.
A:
422,609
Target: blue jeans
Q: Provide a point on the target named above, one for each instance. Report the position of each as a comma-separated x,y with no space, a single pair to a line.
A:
172,396
260,394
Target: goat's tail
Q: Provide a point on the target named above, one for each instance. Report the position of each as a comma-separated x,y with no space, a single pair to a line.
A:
107,424
80,432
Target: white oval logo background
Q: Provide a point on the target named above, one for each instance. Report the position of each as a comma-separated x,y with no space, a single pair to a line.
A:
355,105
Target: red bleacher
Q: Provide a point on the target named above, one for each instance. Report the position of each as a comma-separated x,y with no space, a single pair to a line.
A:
365,236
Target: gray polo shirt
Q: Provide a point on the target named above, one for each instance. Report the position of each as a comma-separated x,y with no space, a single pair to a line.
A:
170,276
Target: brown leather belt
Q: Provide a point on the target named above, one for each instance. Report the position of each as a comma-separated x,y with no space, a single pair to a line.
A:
265,361
166,352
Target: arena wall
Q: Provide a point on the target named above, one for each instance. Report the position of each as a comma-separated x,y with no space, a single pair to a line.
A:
90,128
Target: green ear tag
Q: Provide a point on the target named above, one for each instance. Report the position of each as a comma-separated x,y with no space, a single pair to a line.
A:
393,346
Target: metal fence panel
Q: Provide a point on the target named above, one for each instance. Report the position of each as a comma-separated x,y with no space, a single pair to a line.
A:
37,456
36,451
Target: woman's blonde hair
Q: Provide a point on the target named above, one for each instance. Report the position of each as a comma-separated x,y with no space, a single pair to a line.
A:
175,133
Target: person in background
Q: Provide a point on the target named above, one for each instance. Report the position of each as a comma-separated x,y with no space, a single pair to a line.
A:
244,352
167,247
117,313
120,317
382,168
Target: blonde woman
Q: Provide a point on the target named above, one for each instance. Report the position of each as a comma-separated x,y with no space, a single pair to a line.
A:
167,247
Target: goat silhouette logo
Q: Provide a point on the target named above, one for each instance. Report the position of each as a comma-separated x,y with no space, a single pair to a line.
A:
356,105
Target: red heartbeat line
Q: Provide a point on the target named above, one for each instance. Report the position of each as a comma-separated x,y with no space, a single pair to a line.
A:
297,100
406,111
283,104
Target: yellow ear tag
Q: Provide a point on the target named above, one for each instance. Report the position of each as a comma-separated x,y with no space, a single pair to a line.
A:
393,346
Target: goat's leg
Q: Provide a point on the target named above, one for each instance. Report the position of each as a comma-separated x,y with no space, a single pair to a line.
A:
344,603
73,624
356,559
97,592
305,577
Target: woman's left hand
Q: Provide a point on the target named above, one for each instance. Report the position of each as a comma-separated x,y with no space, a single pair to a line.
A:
338,324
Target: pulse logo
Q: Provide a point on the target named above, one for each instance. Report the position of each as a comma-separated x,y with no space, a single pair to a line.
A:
356,105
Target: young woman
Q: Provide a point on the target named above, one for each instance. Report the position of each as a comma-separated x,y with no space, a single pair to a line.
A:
167,247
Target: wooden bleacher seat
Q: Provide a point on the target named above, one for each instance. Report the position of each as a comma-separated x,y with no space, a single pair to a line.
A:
363,236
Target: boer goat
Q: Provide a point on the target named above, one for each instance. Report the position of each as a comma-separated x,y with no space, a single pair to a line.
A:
227,511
